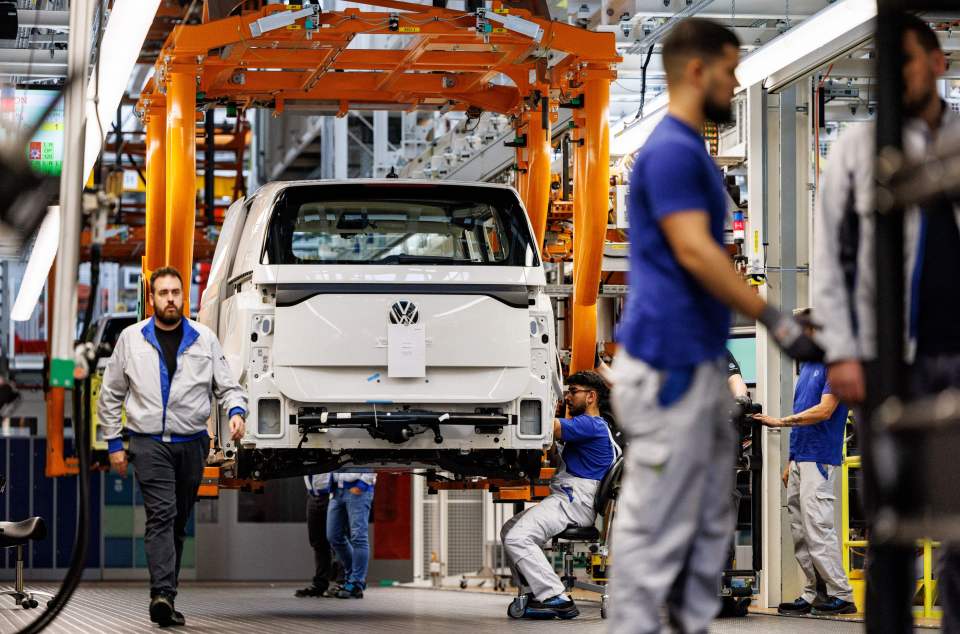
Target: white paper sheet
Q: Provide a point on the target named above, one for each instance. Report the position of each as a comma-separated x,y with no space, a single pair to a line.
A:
406,351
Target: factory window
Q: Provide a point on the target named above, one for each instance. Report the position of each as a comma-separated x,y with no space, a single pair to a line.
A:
399,225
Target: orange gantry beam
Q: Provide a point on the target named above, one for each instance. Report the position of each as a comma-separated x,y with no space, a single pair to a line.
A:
454,61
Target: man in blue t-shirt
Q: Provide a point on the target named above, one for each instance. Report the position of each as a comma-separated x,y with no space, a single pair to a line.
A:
587,454
816,452
675,519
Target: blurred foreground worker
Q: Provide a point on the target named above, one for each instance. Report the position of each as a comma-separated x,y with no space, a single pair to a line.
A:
675,519
843,295
348,527
588,452
813,468
165,372
326,569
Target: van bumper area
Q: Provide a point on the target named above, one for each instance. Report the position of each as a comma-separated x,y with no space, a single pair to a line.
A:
269,464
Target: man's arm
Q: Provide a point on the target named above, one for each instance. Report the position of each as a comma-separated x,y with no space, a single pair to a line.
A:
113,391
229,394
829,290
817,414
557,430
738,387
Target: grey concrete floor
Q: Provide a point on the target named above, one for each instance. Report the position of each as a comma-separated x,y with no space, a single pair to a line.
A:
121,608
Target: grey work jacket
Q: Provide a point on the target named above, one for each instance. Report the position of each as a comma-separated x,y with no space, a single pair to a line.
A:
156,404
844,298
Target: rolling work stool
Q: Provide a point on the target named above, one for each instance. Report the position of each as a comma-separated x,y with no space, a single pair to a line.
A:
604,504
18,534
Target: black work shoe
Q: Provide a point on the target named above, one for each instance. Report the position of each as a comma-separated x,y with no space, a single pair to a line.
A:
350,590
558,606
311,591
795,608
833,606
161,609
177,620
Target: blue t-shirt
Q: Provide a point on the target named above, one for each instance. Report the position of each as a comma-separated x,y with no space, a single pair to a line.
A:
670,321
587,446
822,442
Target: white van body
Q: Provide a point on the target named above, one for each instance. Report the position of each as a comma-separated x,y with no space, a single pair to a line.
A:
385,323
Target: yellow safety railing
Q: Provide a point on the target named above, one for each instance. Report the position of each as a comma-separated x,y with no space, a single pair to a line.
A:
856,575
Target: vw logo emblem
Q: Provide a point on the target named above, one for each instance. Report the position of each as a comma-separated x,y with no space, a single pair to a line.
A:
404,313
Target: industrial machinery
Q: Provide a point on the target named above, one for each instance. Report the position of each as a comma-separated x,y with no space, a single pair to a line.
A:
386,322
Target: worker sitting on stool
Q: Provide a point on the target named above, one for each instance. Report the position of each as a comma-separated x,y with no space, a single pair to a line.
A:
816,452
588,452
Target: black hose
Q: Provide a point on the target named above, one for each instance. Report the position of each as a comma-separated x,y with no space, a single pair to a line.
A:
81,422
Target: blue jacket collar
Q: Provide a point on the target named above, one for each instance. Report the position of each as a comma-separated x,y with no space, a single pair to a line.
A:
190,335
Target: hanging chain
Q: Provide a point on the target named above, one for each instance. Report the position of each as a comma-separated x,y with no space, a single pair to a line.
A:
733,12
786,11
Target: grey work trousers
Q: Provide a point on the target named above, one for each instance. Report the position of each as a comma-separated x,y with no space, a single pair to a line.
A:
811,501
168,475
674,519
570,503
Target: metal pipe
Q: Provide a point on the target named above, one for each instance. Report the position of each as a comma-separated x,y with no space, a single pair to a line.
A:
155,242
39,58
181,172
209,156
40,19
890,576
71,188
593,222
538,172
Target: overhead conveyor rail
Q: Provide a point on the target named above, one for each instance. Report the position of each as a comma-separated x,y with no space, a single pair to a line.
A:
284,57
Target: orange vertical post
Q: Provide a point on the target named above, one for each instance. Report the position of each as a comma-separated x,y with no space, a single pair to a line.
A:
596,157
181,176
538,172
155,249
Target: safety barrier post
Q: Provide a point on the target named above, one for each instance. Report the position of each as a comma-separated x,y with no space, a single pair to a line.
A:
181,176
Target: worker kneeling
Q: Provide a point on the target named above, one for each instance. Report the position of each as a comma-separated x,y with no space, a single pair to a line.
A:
588,451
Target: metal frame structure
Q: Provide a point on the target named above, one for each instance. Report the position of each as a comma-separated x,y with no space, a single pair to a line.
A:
281,56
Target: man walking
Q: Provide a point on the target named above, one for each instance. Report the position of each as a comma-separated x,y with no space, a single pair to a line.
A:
675,519
164,373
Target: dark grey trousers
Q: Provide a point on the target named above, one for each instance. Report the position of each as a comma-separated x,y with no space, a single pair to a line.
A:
168,475
317,530
929,375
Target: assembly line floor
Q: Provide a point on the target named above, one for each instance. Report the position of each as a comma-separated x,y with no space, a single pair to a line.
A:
121,608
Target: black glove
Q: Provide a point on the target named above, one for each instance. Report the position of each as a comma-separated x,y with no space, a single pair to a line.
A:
788,333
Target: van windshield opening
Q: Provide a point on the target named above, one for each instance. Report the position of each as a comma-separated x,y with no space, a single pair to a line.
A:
399,224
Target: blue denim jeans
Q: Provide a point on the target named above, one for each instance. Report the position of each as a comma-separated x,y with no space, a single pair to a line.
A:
348,519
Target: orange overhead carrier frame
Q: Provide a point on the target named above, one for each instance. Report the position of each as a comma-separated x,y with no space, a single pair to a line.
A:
503,60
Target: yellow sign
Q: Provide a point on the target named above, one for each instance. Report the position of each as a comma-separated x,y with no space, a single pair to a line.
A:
756,242
499,30
502,11
409,29
294,27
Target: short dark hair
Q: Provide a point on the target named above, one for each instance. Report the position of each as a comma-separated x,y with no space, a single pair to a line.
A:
590,380
921,28
695,37
164,271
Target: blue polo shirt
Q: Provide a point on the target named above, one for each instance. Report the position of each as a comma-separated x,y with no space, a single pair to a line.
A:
822,442
587,446
670,321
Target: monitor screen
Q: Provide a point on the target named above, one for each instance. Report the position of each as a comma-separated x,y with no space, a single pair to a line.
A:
744,350
20,110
